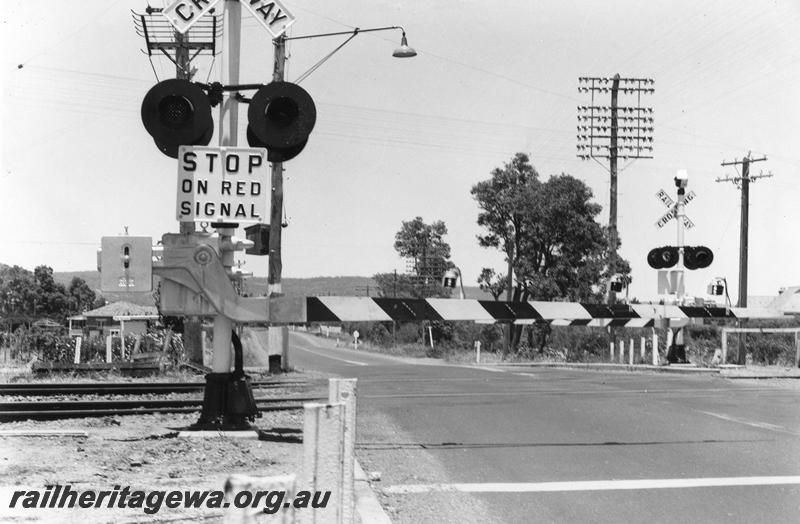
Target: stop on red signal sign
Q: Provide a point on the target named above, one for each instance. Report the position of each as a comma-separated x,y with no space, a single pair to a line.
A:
223,184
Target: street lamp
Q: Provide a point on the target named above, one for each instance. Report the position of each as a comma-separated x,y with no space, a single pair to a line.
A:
404,51
449,280
275,263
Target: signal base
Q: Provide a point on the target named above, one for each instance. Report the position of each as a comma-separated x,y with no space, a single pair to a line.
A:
228,403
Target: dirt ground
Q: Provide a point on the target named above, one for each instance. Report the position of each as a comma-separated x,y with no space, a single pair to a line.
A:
145,453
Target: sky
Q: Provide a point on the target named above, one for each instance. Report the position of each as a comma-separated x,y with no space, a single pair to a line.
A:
400,138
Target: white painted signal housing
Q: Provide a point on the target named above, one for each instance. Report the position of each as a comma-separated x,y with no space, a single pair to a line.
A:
126,264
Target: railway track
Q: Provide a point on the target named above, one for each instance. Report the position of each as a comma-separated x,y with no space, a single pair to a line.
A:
124,388
69,403
52,410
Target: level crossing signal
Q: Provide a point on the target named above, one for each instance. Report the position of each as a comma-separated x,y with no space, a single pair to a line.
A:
697,257
694,257
177,112
280,117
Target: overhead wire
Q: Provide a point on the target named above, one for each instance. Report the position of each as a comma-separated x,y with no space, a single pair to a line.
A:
89,21
542,144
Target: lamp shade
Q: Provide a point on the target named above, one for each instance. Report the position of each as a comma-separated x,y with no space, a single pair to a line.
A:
404,51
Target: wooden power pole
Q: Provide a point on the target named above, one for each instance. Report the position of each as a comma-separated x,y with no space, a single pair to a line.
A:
743,183
192,327
612,170
275,219
601,128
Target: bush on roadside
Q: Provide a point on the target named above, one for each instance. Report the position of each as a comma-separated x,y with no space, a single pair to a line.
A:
48,346
456,340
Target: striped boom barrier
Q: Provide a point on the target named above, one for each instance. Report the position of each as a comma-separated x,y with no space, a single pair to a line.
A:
367,309
196,283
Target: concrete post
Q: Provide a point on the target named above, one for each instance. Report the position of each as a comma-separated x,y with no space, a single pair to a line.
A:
643,350
477,351
611,351
323,460
343,390
204,342
621,351
724,337
655,347
137,343
221,357
278,344
797,349
78,342
109,340
631,351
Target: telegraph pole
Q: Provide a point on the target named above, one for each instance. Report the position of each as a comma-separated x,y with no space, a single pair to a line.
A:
155,36
192,328
601,128
612,168
275,222
743,183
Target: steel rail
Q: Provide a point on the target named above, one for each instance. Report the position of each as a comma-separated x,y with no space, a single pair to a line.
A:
67,405
14,411
122,388
9,416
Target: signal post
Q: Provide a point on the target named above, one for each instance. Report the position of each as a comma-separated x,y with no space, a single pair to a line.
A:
197,267
685,257
677,351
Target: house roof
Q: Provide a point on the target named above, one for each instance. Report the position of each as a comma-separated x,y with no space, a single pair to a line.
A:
47,323
122,308
788,302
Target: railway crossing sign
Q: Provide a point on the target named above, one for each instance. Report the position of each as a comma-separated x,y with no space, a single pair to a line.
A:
273,15
183,14
673,208
223,184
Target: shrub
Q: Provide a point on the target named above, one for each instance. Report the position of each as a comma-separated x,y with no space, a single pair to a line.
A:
408,333
378,334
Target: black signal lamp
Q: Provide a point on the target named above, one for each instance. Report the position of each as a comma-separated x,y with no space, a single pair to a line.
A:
274,154
177,112
697,257
281,116
662,257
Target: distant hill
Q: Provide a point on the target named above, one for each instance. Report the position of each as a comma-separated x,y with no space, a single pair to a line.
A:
255,286
92,278
316,286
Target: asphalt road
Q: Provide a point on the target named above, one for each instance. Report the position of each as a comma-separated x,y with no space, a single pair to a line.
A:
475,444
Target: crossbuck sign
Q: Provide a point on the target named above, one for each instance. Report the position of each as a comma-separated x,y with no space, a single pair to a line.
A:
223,184
673,209
183,14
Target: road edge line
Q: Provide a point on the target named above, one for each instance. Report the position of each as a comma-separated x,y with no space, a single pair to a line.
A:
367,506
